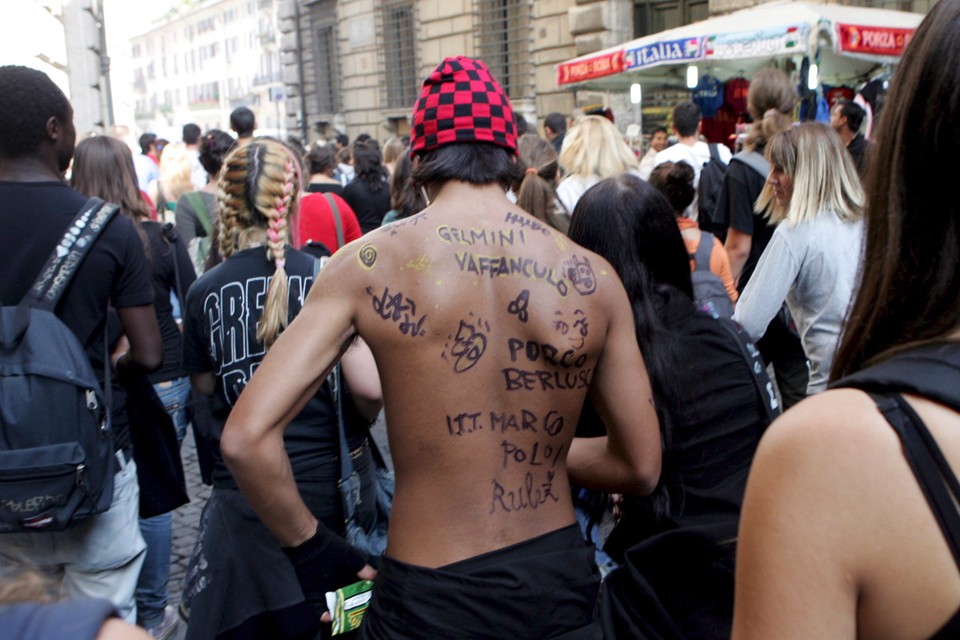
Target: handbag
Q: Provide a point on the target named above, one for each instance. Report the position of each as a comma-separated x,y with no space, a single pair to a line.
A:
373,540
335,210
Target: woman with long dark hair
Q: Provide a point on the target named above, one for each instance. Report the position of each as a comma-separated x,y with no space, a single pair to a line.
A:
369,192
103,167
677,544
405,199
537,190
850,523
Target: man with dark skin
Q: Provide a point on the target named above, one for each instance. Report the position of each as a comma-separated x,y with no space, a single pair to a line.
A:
100,557
489,330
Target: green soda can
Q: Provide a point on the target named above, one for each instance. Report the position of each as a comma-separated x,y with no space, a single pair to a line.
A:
348,604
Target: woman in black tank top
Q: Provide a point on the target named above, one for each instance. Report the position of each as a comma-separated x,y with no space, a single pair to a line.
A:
850,526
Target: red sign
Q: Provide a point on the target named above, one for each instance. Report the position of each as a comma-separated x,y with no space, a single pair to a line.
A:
879,41
590,68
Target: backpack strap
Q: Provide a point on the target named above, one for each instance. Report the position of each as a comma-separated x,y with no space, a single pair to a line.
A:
701,258
714,153
336,217
755,161
66,258
929,466
767,394
931,371
200,208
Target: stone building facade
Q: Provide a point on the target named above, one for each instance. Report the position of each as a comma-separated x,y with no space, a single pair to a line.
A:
203,60
354,66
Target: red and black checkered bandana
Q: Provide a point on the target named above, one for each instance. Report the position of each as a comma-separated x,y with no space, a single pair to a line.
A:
462,102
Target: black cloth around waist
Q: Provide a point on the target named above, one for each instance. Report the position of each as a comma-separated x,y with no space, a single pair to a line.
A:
545,587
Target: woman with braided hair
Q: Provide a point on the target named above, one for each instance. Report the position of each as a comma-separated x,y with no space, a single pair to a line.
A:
239,582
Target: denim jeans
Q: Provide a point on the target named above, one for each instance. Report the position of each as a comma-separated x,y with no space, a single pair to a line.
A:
152,587
174,395
98,558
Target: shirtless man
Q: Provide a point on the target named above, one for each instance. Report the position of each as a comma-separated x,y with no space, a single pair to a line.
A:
489,329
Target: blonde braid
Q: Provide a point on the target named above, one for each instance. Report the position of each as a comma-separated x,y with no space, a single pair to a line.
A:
231,200
276,201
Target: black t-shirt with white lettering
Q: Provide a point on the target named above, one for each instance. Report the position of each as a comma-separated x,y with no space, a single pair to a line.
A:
224,307
34,216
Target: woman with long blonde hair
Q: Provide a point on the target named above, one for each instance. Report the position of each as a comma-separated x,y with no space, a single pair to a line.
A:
234,313
811,262
592,150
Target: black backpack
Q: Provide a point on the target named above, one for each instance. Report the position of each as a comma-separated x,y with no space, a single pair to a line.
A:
709,294
708,191
56,451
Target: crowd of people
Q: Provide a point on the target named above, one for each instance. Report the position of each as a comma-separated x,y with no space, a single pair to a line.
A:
625,397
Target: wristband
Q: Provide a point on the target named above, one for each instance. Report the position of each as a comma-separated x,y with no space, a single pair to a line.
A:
324,563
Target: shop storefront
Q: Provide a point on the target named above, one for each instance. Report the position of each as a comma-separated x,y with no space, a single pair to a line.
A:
831,50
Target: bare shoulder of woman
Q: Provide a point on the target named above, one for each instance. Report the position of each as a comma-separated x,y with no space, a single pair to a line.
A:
806,506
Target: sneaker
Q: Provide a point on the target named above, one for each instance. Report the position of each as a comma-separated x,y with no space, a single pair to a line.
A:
165,629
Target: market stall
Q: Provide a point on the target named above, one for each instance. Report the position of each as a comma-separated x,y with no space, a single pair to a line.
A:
832,51
847,44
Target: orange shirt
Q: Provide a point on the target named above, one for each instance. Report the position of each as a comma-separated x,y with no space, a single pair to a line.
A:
719,261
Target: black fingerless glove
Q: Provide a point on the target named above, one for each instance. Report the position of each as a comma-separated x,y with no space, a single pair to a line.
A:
324,563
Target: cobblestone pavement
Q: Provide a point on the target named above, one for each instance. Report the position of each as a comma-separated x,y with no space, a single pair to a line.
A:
186,519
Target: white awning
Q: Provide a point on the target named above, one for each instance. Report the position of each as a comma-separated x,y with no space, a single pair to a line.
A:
849,40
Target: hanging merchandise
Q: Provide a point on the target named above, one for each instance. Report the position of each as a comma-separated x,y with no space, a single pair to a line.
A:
708,96
836,94
847,44
735,94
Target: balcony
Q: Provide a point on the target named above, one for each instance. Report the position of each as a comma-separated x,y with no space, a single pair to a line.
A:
202,105
266,78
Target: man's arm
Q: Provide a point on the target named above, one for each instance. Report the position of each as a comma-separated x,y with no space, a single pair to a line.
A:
628,459
146,346
738,247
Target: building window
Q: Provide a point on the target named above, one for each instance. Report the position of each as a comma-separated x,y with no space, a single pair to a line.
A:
654,16
505,39
398,57
914,6
323,24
